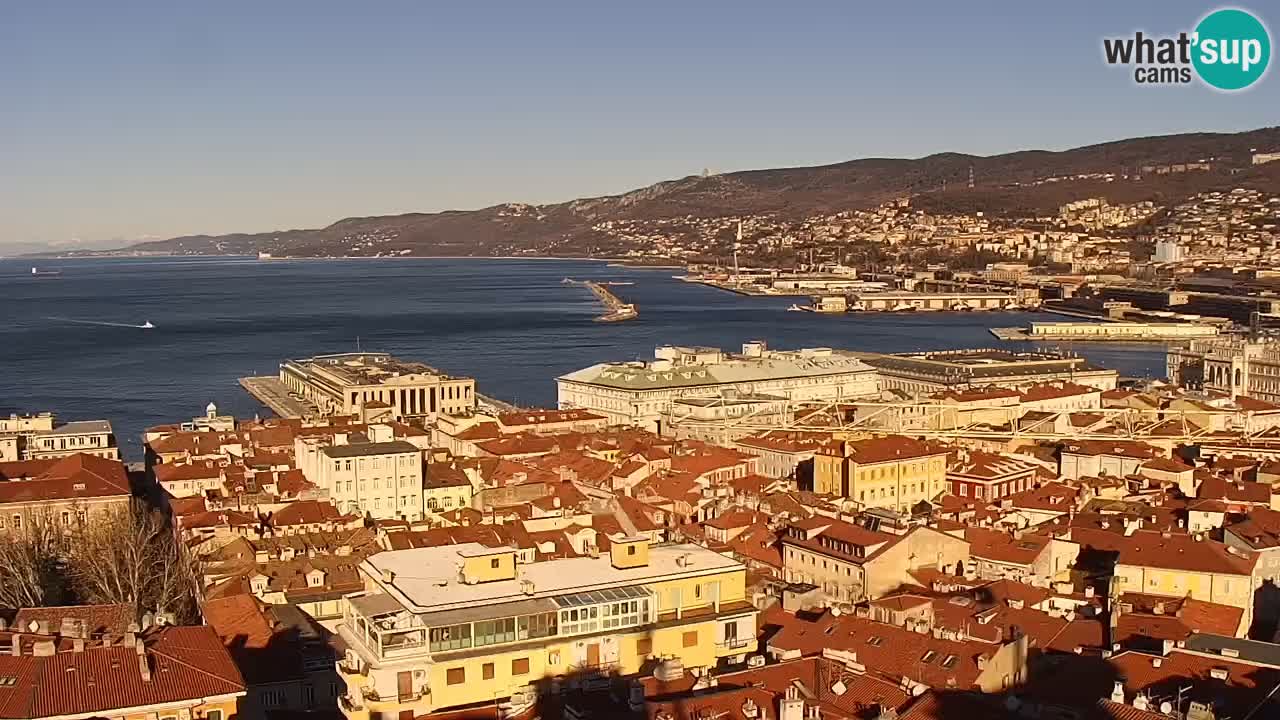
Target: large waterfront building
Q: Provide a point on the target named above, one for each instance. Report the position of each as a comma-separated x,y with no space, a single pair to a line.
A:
66,491
36,437
377,387
460,625
639,393
1229,366
370,474
931,372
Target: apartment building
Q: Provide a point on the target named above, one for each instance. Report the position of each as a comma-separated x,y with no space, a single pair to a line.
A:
451,626
851,563
378,387
894,472
1182,565
639,393
988,476
64,490
369,474
40,436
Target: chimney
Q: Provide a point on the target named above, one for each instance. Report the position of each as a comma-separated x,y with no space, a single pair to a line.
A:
17,644
43,648
77,645
1117,693
791,707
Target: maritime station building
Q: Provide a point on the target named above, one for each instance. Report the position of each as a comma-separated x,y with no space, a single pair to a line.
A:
462,626
640,393
927,373
378,387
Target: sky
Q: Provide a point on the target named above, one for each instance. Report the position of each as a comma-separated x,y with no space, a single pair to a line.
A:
146,119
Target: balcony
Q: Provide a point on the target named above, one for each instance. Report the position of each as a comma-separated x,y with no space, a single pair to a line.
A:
735,643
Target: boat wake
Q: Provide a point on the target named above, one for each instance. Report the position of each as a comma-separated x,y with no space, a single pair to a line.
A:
144,326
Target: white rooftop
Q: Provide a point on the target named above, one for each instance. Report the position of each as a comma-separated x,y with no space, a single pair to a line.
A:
427,579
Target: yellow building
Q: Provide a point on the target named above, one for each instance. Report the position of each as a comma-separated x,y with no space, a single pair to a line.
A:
40,437
893,472
1182,565
450,626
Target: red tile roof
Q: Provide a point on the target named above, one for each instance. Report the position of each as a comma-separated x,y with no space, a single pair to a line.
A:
185,663
74,477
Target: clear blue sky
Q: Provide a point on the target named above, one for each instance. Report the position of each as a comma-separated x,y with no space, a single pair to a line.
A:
149,119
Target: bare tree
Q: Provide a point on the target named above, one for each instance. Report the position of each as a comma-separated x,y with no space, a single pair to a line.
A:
132,556
30,563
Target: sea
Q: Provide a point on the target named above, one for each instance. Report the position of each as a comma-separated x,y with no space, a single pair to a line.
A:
71,343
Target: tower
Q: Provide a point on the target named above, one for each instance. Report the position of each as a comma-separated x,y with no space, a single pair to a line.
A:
736,243
970,177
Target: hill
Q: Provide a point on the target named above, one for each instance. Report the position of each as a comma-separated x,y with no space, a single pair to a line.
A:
1017,184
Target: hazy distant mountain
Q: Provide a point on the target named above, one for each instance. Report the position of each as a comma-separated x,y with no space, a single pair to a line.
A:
1003,185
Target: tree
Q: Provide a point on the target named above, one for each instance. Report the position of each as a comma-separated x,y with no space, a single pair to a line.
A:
131,555
30,563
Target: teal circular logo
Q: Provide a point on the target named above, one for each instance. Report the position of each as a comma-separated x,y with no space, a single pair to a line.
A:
1231,49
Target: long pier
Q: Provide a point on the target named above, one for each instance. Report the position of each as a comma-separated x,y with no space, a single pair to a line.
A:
615,309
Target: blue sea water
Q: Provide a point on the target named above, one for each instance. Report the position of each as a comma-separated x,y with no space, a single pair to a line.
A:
511,324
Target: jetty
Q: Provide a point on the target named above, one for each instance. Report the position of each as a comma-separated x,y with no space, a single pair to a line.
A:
615,309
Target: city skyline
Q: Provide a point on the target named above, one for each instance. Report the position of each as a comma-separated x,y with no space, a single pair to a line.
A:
283,120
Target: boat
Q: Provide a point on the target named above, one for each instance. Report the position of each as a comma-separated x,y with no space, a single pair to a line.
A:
45,273
798,308
961,306
902,307
1012,306
146,325
857,306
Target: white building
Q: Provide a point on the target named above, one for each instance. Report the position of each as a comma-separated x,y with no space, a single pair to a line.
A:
372,475
37,437
1169,251
639,393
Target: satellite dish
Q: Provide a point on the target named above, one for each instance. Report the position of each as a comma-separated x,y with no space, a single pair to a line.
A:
1166,707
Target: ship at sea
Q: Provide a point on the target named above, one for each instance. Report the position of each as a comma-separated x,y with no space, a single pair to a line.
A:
37,272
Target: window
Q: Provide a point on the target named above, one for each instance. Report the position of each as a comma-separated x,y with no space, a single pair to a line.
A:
453,637
486,671
272,698
631,549
875,641
928,657
492,632
308,696
213,715
949,661
644,646
495,563
690,639
520,666
456,676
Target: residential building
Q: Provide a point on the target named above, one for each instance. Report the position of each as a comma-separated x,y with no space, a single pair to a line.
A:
378,387
851,563
370,474
451,626
988,476
1095,458
638,393
64,490
163,672
1183,565
895,471
285,660
38,437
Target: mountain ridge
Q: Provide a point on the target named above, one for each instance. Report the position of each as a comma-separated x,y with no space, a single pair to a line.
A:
1006,183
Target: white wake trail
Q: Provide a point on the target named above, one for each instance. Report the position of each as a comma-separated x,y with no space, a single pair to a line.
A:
144,326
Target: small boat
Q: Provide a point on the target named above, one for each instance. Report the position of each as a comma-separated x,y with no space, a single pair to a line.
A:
1012,306
798,308
857,307
45,273
902,307
146,325
961,307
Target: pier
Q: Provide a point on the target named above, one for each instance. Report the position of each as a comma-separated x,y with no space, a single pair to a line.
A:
268,390
615,309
